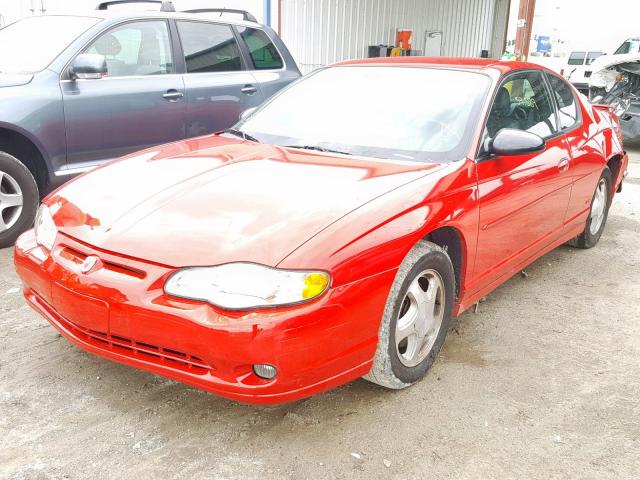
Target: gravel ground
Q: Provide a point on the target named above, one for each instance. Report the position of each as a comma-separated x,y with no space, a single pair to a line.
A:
543,382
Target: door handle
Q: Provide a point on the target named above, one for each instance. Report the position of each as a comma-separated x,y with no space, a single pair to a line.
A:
563,165
249,89
173,95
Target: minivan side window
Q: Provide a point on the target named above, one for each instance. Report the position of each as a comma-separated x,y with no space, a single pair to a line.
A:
576,58
567,106
263,52
136,48
591,56
209,47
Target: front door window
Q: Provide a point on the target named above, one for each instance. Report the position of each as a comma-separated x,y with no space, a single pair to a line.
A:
523,103
137,48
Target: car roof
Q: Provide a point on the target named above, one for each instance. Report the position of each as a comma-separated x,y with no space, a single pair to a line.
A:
477,64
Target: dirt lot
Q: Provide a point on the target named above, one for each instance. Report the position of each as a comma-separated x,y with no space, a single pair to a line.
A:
543,382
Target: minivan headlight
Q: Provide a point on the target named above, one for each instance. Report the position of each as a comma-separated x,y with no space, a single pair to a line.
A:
45,228
243,286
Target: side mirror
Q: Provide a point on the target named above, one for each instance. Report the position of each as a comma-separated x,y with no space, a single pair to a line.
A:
247,113
88,66
510,141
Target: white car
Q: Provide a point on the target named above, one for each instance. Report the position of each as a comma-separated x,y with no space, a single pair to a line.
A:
604,74
615,81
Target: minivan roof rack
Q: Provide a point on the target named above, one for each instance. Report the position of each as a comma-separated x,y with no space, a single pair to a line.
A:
245,15
165,5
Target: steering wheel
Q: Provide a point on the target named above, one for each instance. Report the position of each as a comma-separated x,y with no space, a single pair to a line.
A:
519,113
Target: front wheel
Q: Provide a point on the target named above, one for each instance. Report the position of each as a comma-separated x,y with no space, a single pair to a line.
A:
416,317
598,213
19,199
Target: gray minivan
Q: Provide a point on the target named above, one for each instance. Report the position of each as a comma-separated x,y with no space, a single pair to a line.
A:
76,91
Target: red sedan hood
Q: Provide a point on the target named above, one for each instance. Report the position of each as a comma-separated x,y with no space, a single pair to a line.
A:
214,200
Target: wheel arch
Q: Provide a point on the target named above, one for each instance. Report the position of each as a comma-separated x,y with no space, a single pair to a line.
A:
452,241
20,145
614,163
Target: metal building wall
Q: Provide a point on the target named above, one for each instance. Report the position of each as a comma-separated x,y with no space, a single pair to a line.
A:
320,32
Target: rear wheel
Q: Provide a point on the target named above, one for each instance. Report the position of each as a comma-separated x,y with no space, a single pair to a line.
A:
19,199
598,213
416,317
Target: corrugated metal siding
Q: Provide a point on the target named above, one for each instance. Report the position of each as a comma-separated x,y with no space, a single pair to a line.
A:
320,32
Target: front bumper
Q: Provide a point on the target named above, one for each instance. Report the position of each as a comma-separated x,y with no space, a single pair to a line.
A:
118,310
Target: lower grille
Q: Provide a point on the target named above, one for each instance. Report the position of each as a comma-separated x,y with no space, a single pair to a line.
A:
167,357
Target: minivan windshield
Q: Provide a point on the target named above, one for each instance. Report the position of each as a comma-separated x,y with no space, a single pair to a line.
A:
30,45
393,112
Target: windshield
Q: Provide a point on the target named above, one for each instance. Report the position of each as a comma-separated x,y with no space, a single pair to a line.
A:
630,46
30,45
401,113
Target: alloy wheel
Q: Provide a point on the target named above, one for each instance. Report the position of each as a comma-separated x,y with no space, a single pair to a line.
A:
420,318
11,200
598,207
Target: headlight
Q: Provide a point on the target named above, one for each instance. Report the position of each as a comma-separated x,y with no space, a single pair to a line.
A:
45,228
242,286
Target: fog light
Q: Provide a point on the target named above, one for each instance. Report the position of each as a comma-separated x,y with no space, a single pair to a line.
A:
264,370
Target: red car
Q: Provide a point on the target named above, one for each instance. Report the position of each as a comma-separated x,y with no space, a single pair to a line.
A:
333,234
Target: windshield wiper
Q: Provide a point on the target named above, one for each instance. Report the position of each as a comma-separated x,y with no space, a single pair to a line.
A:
317,148
241,134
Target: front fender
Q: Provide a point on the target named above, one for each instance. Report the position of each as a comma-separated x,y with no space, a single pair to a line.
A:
377,236
35,112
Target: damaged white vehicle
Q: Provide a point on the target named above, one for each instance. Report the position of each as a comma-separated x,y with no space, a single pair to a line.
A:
615,81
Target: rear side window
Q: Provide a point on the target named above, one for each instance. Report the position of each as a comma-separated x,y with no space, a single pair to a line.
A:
209,47
264,54
567,106
577,58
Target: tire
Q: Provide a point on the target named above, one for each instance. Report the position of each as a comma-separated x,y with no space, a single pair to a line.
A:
19,199
399,364
596,223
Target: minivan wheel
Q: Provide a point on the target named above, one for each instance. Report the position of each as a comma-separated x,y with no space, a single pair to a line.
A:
416,317
19,198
